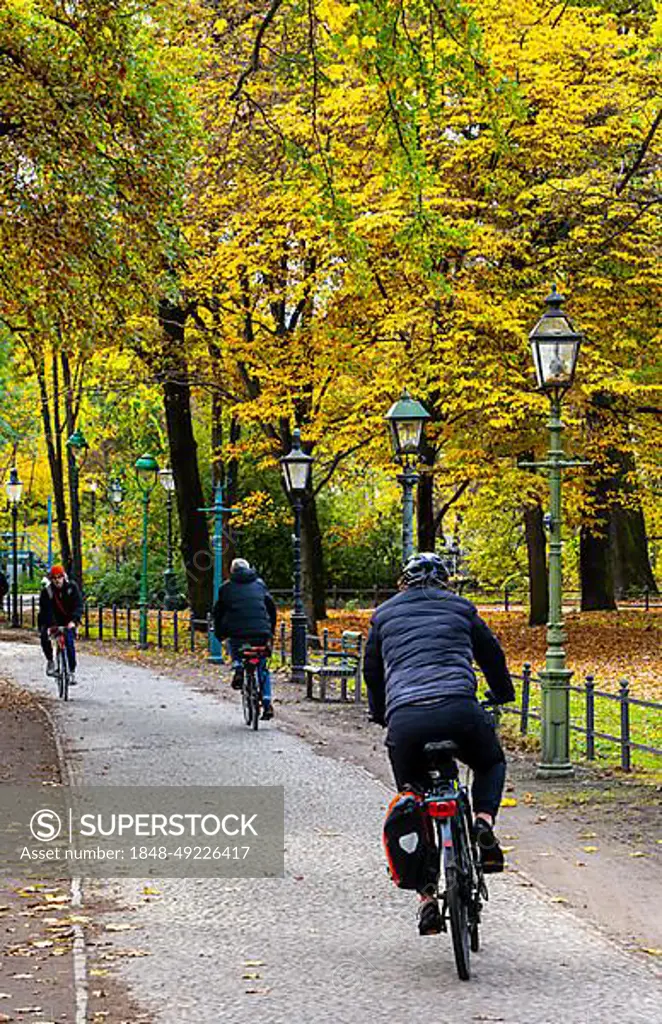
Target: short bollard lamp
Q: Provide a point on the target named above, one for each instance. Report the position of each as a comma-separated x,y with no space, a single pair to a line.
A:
147,471
297,468
406,419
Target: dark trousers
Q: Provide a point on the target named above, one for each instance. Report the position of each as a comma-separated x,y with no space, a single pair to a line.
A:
47,646
462,720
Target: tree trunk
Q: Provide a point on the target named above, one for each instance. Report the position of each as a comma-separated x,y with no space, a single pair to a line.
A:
627,531
425,517
536,552
54,462
596,570
313,580
595,554
74,490
195,548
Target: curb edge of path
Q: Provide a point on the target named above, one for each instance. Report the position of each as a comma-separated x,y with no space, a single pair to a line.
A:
79,947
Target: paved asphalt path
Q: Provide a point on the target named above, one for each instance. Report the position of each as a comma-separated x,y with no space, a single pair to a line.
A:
336,940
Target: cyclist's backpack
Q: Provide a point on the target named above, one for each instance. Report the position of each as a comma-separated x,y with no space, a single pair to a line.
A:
409,842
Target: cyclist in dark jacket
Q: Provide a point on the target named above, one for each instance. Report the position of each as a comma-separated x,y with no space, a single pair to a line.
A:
60,604
245,613
421,684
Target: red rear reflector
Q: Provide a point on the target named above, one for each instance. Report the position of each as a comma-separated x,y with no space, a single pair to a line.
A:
442,808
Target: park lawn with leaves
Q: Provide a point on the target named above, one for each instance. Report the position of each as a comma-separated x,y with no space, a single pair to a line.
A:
608,645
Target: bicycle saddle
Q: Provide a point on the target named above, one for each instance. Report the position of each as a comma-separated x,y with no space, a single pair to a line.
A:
440,753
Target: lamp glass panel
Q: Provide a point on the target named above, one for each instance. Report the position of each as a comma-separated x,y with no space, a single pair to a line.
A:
14,489
167,479
554,325
296,473
409,434
555,361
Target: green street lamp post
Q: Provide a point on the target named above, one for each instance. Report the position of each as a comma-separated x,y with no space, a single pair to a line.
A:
555,347
14,489
78,449
116,497
147,469
297,467
406,419
167,481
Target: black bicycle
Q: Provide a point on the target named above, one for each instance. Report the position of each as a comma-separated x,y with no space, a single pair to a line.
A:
251,691
448,803
62,670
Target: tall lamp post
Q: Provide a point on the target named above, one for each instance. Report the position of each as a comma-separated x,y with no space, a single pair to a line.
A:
116,497
167,481
14,489
555,347
78,448
406,419
297,467
147,469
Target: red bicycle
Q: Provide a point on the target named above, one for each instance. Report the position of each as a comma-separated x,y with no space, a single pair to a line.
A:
62,670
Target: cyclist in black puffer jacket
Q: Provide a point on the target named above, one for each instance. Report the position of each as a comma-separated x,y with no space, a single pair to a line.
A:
421,684
246,614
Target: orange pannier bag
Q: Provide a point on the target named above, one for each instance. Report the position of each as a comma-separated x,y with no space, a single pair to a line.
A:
409,843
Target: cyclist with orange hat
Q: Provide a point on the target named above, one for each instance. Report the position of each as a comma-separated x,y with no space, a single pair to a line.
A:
60,604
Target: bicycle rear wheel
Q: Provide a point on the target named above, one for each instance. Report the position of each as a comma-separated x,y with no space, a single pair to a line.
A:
249,696
457,903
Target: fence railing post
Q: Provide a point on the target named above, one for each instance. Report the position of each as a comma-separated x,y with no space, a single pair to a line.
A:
590,718
159,628
359,671
334,595
505,598
114,622
375,596
283,642
100,610
526,698
325,646
625,725
128,623
86,620
34,619
175,630
192,630
646,598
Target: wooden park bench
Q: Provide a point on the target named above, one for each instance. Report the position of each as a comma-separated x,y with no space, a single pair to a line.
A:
342,664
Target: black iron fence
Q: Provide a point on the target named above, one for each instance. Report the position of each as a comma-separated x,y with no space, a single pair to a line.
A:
623,715
510,597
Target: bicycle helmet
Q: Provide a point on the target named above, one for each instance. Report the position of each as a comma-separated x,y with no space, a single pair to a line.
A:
424,569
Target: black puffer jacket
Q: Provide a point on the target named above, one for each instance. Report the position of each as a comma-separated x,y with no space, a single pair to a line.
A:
421,646
245,608
59,607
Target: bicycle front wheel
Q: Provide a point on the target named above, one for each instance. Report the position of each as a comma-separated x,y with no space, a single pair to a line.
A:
62,674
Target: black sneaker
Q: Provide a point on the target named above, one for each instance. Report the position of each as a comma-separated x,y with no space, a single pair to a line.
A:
491,854
238,679
267,713
429,918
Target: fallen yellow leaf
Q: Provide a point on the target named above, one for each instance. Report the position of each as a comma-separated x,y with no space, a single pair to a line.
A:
559,899
509,801
590,849
637,853
651,951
